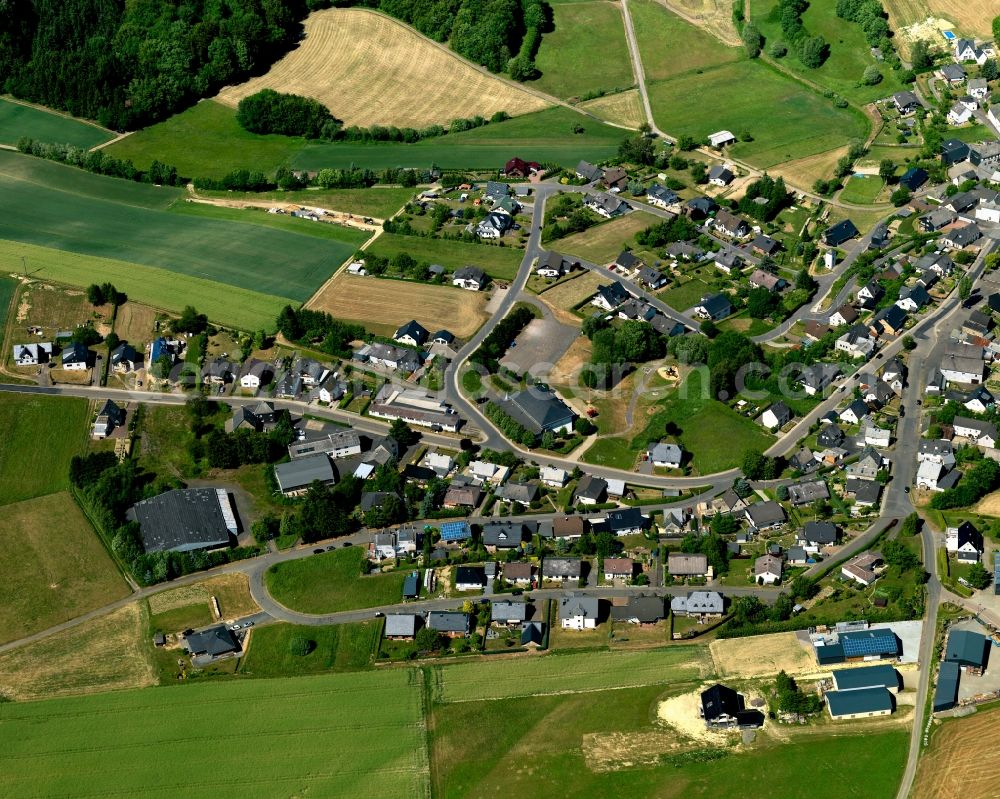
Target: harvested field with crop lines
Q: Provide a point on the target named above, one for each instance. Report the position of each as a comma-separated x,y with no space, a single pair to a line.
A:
577,673
369,69
945,771
383,305
108,653
623,108
356,735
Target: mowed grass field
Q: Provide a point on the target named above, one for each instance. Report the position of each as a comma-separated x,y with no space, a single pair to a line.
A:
8,286
553,674
568,56
369,69
940,774
206,141
602,243
341,647
862,190
331,582
786,120
383,305
55,568
357,735
545,136
500,263
849,52
18,119
160,288
41,435
669,45
53,205
603,744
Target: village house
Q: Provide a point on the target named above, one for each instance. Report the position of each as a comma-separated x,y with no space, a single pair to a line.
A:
562,569
767,570
412,333
965,542
685,565
776,416
864,568
469,277
982,434
579,612
731,225
705,604
765,280
607,205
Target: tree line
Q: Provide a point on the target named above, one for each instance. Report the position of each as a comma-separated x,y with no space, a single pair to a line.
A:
319,329
128,65
489,353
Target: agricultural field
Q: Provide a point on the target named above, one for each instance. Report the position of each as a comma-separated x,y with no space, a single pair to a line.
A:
352,237
500,263
159,288
382,305
806,171
602,243
370,69
332,735
28,470
849,51
940,773
786,120
971,18
77,661
604,744
620,108
712,16
249,257
566,58
341,647
380,202
331,582
18,119
862,190
558,135
56,567
553,674
8,287
669,45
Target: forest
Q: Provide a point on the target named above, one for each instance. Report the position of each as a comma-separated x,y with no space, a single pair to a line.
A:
127,65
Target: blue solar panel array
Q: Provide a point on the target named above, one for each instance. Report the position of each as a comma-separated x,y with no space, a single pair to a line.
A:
455,531
868,643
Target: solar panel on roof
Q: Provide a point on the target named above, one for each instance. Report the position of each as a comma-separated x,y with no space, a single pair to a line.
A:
455,531
872,642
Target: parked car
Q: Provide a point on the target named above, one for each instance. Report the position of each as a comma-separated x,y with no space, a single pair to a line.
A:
319,551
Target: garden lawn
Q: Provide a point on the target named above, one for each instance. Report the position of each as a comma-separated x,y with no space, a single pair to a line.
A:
56,568
862,190
41,435
159,288
685,296
557,135
604,744
669,45
35,207
206,141
849,52
17,120
332,582
566,57
343,735
614,453
786,120
602,243
500,263
716,436
341,647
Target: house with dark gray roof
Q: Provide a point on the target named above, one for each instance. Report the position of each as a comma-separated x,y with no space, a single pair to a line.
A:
698,603
839,233
591,490
816,535
806,493
186,519
562,569
641,609
765,515
213,642
412,333
713,306
295,477
539,411
452,623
